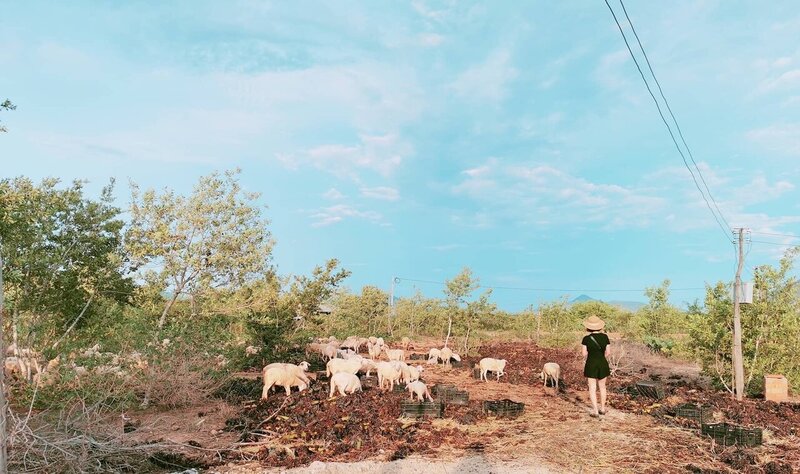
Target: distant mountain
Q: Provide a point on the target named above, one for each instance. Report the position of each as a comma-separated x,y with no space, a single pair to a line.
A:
627,305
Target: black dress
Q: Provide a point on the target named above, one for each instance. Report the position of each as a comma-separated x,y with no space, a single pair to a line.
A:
596,363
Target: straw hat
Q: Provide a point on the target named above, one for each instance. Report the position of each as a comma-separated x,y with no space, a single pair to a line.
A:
594,323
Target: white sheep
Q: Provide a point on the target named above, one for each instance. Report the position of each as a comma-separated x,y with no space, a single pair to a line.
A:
420,390
551,371
329,351
387,372
446,355
350,366
367,366
414,373
395,354
488,364
380,342
434,354
373,350
405,343
403,368
284,375
433,361
372,340
345,383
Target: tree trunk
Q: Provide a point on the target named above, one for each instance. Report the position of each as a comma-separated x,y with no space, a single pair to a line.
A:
3,404
449,328
72,326
163,318
538,326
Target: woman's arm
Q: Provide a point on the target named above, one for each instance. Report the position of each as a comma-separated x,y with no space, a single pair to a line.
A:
585,352
608,351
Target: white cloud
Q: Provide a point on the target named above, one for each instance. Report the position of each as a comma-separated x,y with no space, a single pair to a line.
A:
377,153
333,194
384,193
487,81
779,138
430,39
338,213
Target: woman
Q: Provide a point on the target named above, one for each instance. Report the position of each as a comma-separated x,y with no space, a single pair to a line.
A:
595,350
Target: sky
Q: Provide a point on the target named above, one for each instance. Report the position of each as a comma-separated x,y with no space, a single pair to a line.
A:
412,139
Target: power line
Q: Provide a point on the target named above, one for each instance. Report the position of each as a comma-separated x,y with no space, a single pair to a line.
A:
569,290
776,234
674,119
775,243
669,129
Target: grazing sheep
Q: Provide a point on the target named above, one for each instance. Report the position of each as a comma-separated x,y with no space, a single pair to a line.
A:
434,354
329,352
373,350
395,354
345,383
414,372
403,368
551,371
445,354
350,366
380,342
487,364
367,366
284,375
372,340
405,343
387,372
433,361
420,390
351,343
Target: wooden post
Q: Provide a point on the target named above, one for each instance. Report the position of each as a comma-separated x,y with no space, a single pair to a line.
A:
738,359
3,402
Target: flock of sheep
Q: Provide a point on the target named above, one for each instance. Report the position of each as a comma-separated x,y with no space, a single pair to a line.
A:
344,363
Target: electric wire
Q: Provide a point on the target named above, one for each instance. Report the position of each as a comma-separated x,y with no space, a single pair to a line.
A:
669,129
582,290
671,114
776,234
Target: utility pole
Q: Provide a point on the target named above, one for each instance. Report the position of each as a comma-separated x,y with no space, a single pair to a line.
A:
3,403
738,360
390,314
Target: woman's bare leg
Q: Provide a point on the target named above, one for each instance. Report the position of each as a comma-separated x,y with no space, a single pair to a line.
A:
593,394
602,383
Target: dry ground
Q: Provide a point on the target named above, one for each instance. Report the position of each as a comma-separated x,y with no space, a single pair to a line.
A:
555,434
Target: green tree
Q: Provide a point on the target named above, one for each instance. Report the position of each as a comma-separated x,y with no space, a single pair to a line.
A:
61,250
214,239
456,292
770,327
308,293
658,317
6,105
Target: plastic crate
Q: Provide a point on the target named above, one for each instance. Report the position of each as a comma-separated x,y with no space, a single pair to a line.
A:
650,389
411,409
728,434
418,357
450,395
699,413
503,408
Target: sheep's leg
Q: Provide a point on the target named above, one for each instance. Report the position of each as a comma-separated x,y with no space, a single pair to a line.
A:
333,388
265,391
288,388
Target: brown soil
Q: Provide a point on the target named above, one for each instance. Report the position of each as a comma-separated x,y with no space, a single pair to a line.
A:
555,432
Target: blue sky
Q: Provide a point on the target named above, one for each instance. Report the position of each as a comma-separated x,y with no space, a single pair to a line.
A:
414,138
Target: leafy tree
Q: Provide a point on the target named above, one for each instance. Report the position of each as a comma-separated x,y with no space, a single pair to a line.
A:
60,251
658,317
214,239
456,292
770,327
559,322
308,293
6,105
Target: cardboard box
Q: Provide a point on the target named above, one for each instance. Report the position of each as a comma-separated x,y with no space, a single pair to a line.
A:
776,388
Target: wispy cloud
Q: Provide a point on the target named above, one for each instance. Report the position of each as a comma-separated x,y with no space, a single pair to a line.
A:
333,194
384,193
487,81
782,138
338,213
